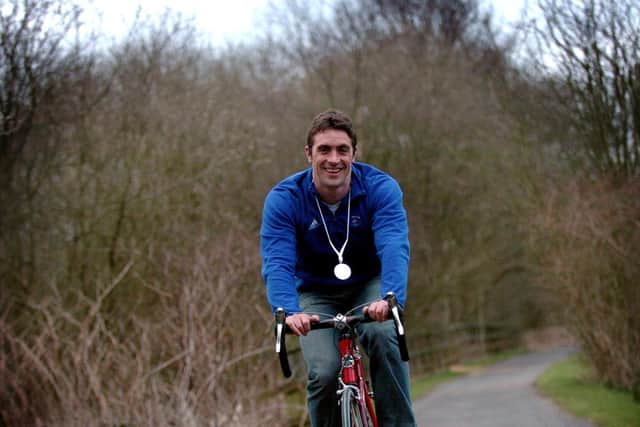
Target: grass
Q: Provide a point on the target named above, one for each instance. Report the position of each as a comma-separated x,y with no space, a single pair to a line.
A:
572,385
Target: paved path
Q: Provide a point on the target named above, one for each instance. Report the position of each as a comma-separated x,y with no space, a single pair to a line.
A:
499,396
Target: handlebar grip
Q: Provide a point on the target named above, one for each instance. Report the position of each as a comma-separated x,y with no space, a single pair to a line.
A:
396,315
281,346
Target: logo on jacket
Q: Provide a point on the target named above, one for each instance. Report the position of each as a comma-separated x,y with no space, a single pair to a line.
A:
314,224
355,220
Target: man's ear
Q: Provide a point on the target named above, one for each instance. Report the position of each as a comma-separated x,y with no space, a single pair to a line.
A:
307,152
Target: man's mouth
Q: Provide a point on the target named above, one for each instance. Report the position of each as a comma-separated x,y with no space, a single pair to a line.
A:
333,171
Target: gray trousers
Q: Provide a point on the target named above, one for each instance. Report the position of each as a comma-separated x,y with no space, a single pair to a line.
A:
389,374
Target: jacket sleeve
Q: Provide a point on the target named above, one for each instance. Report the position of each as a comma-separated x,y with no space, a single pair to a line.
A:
278,250
391,235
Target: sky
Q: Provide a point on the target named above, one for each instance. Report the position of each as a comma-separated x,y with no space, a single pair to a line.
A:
222,20
219,20
508,11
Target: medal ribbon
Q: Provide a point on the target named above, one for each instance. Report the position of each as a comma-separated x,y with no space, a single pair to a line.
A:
344,245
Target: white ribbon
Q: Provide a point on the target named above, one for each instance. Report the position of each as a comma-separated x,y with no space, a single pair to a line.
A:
344,245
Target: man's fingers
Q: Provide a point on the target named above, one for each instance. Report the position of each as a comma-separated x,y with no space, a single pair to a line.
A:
377,310
300,324
293,324
305,325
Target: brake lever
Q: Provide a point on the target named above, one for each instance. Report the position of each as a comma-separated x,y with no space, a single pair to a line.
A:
281,347
280,316
392,300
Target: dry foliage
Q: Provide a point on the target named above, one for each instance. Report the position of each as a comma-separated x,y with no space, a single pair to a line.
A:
131,288
193,360
590,234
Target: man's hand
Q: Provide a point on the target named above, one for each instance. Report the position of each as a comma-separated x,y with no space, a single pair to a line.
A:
300,324
378,310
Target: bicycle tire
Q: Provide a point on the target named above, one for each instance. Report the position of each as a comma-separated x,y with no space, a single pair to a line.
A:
351,411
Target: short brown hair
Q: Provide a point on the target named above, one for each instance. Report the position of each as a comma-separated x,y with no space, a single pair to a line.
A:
332,119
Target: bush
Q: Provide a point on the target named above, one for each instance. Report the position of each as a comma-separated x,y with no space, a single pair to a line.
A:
192,359
590,262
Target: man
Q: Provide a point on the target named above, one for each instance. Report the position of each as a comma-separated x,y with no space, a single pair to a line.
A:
334,237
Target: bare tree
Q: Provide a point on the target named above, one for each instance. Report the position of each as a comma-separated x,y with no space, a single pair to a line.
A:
593,48
40,61
447,21
49,79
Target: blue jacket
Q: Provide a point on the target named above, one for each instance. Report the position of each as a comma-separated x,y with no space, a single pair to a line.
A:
294,245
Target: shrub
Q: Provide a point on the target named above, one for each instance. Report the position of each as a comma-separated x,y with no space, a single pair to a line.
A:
591,235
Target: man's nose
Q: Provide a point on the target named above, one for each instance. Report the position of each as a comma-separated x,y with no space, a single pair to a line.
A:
334,157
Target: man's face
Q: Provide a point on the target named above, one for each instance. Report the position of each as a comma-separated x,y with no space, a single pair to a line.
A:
331,157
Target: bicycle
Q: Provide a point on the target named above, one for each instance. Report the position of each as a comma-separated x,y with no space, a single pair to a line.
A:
354,397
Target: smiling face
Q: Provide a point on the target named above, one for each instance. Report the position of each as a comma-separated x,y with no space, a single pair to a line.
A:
331,157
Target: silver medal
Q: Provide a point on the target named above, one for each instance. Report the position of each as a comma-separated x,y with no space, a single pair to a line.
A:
342,271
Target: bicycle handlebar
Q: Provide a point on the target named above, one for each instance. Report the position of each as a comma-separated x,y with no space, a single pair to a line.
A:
340,322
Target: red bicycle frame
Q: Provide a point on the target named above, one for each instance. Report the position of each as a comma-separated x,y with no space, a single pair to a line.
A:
352,374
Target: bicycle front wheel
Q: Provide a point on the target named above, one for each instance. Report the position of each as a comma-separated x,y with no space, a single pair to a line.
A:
353,414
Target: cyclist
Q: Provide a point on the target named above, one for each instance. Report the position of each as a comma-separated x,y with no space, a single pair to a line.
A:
335,236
